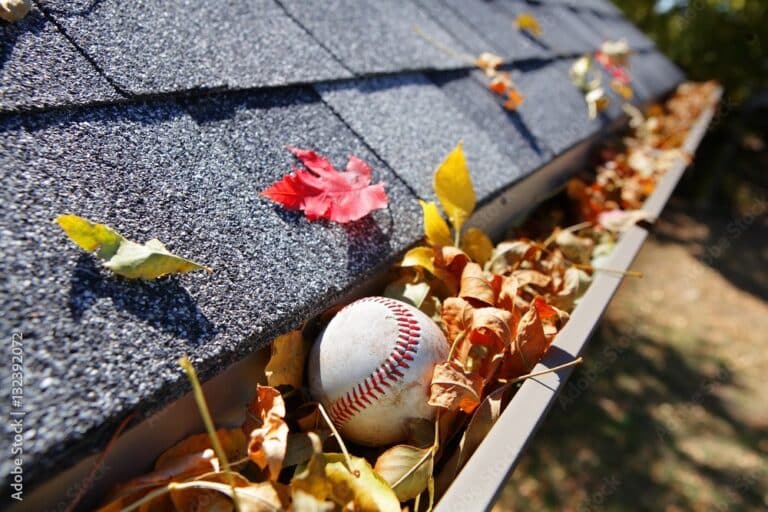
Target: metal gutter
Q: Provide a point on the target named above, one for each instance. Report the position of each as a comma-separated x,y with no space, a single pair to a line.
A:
477,485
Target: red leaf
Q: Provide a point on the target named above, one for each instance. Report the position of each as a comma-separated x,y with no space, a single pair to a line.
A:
322,192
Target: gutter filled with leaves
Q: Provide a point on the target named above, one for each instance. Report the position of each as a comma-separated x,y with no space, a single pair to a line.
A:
514,316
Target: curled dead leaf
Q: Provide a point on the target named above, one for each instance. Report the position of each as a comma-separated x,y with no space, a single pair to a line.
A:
457,316
407,466
453,390
265,424
475,286
530,345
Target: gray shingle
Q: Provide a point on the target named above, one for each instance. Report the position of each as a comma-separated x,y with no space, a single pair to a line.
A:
469,93
159,46
412,125
372,36
559,33
497,26
96,346
472,40
554,108
654,75
39,68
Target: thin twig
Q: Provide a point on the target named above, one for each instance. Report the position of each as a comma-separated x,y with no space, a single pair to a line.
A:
202,406
576,361
459,339
338,438
449,51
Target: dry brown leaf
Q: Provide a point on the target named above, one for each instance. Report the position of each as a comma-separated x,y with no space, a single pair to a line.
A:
509,255
530,345
457,316
527,277
576,248
453,390
198,498
265,424
175,469
233,442
475,287
514,99
451,259
508,293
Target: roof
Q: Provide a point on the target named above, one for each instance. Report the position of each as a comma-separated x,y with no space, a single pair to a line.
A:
166,119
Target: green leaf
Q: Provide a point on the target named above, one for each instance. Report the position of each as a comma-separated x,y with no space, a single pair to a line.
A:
408,467
453,187
124,257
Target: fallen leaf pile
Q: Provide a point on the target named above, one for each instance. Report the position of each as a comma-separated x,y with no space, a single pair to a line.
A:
500,306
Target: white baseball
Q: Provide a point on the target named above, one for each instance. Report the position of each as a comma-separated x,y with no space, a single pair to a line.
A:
371,368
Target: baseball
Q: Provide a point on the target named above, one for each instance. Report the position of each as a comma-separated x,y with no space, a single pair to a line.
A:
371,368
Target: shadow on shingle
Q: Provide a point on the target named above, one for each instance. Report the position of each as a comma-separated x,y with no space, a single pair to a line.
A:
146,113
163,304
535,40
366,242
76,8
216,108
376,84
10,32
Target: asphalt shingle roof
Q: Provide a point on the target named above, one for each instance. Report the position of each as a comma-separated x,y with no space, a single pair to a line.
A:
165,119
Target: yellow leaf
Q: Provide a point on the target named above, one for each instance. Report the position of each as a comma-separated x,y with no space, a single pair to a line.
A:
453,187
435,228
286,362
367,491
528,22
124,257
477,245
419,257
311,479
395,463
89,236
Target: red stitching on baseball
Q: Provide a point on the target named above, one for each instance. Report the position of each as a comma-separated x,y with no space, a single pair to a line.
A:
354,401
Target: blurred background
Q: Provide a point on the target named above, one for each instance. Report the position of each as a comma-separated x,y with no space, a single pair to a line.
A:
670,410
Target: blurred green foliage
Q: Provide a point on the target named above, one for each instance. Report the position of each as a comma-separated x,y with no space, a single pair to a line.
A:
727,41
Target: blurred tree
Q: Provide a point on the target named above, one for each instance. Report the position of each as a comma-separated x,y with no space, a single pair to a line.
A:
724,40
